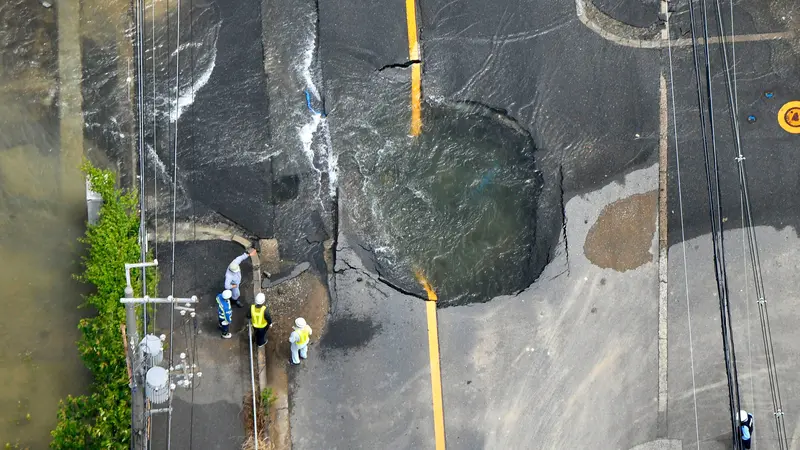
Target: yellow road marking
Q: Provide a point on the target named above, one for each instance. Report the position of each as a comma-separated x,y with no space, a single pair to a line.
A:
416,69
436,374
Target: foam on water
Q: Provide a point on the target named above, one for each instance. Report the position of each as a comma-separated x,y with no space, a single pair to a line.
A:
306,135
188,92
152,156
332,161
317,123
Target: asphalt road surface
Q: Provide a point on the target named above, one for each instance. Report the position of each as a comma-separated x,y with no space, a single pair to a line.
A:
571,362
210,415
570,343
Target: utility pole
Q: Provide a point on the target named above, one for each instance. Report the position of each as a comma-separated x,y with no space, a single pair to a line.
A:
132,331
135,352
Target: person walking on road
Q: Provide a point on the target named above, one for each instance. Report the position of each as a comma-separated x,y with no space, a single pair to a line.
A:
260,319
299,340
746,428
233,276
224,313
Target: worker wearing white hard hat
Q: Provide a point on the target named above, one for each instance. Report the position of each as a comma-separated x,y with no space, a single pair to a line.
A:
233,276
299,339
260,319
224,313
746,428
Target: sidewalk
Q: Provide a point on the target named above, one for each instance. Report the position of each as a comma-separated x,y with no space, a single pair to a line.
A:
569,363
778,250
211,415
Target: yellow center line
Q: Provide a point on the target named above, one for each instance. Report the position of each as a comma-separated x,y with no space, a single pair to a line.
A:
436,373
416,70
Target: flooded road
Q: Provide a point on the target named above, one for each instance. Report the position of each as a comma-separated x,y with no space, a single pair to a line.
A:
41,216
458,203
43,139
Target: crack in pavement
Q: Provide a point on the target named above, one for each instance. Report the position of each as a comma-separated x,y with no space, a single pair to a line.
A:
237,224
396,288
402,65
563,212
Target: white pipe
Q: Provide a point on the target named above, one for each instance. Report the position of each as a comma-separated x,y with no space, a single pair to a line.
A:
129,266
169,299
253,384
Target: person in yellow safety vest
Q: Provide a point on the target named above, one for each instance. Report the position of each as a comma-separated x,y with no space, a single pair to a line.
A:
260,319
299,340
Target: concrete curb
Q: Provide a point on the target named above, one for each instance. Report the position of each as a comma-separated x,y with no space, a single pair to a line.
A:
261,361
269,250
614,30
663,361
187,231
190,231
660,444
626,35
256,262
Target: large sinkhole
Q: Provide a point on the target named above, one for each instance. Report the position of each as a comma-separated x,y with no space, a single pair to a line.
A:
457,204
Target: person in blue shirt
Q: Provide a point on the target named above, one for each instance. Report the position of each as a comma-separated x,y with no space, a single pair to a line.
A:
233,276
746,428
224,313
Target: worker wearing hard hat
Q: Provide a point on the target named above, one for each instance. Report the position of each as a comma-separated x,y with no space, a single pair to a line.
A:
224,313
746,428
260,319
299,338
233,276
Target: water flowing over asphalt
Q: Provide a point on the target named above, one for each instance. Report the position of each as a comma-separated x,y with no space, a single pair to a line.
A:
39,224
262,145
458,203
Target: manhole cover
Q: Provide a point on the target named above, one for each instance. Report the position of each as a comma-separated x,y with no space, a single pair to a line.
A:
789,117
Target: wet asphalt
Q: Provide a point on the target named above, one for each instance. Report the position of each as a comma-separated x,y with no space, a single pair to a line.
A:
594,114
590,107
766,78
211,414
593,117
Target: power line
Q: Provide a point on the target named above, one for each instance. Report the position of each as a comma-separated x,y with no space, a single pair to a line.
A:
135,404
174,206
715,215
140,40
140,104
752,243
194,318
155,147
683,233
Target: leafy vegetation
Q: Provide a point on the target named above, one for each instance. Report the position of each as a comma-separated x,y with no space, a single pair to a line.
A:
102,419
267,399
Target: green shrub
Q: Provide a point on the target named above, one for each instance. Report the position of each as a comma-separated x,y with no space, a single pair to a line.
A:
102,419
268,398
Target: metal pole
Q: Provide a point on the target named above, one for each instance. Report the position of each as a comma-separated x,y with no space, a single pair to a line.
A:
137,356
133,339
129,266
253,384
129,294
132,330
134,350
169,299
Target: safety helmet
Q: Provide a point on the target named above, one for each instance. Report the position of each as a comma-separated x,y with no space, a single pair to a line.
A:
226,294
233,267
260,298
743,415
299,323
